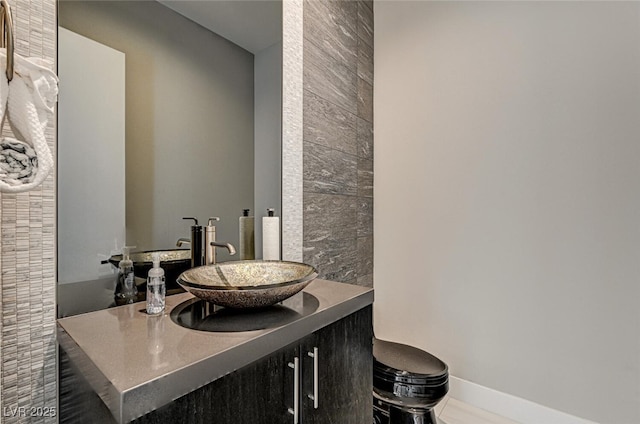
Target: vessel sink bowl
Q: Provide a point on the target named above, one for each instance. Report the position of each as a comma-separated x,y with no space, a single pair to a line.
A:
247,284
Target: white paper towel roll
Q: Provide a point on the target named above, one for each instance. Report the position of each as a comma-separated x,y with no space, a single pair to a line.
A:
271,237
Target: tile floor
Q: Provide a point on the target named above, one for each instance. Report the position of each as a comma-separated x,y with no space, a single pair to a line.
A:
453,411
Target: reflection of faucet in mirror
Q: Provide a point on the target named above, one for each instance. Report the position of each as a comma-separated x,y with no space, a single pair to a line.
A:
204,254
183,240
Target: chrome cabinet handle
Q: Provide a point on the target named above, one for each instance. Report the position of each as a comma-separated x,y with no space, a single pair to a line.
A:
296,389
315,396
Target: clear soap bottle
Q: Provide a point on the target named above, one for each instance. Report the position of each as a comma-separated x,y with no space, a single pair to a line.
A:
156,287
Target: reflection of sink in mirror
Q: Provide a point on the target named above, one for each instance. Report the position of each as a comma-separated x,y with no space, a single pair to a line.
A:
247,284
173,262
198,131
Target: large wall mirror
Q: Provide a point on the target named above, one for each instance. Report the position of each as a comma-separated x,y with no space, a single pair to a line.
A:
167,109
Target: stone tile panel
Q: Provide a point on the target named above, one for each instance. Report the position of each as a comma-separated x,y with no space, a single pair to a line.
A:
365,61
329,125
338,139
329,78
365,177
365,217
329,217
335,260
365,23
365,256
333,29
365,100
329,171
365,139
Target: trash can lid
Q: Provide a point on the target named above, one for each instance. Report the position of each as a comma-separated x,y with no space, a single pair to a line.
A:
400,363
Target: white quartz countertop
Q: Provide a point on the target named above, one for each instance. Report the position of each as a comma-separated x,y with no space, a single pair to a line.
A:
138,362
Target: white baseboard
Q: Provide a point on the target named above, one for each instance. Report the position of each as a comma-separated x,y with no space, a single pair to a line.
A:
508,406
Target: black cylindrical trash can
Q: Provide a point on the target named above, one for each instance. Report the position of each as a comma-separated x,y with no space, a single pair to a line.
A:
407,384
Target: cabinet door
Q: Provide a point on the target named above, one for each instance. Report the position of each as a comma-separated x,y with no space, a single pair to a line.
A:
344,372
260,393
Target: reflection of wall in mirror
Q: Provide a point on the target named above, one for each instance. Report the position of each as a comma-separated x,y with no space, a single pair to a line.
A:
91,158
268,118
189,119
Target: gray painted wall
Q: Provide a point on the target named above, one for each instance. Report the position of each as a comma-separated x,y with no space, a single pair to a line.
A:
507,201
338,139
190,118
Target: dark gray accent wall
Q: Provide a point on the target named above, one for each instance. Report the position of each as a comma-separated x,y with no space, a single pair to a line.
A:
338,139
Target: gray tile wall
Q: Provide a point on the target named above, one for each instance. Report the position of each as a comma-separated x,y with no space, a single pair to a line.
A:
27,264
338,139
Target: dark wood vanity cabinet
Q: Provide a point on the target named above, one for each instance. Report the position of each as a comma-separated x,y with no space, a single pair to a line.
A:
344,375
264,392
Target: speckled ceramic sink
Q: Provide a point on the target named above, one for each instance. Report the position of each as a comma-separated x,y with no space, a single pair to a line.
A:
247,284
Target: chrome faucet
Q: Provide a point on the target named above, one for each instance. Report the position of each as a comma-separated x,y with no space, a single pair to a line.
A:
204,252
210,243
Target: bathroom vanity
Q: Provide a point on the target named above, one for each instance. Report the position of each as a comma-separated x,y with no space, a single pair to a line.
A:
308,360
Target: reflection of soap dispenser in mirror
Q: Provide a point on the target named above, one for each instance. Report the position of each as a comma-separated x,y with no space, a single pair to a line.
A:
270,236
247,236
156,288
197,255
126,290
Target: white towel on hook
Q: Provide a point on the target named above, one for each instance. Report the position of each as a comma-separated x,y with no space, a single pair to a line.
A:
18,162
28,103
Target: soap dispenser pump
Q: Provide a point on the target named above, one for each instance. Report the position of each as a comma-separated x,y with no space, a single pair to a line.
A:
156,287
126,290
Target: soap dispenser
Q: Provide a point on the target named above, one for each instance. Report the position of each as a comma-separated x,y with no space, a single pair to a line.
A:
126,290
247,236
156,288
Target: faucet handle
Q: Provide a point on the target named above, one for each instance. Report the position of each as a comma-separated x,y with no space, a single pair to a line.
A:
213,218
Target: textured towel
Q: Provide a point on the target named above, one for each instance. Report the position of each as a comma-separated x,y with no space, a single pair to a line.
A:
18,162
27,101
